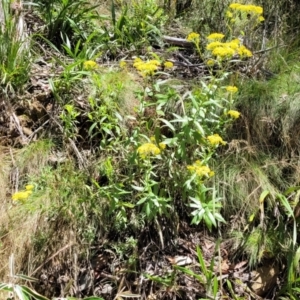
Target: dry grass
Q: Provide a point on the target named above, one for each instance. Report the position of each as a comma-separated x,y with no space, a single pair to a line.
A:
18,223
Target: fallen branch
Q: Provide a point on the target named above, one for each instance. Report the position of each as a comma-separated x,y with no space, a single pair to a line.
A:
177,41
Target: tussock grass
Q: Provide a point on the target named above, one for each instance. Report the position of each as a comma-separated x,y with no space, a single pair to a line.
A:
61,209
19,223
263,155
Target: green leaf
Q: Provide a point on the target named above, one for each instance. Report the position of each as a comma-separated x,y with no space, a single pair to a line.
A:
211,217
263,196
19,291
21,276
138,188
168,124
33,293
251,218
128,294
92,128
286,204
216,286
113,12
127,204
219,218
291,190
191,273
5,286
93,298
202,262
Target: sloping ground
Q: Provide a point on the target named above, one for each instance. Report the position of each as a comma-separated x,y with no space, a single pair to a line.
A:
73,131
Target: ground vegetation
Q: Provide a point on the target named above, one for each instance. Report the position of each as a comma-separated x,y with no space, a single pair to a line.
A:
149,149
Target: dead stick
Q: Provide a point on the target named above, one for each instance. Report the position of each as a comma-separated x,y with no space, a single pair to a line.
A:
51,257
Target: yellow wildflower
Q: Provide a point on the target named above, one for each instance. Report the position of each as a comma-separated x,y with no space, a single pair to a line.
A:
154,62
146,67
137,60
193,37
200,170
258,10
162,146
21,196
122,64
229,14
215,140
261,19
168,65
211,46
29,187
210,62
215,36
148,149
231,89
234,44
233,114
234,5
89,65
244,52
223,52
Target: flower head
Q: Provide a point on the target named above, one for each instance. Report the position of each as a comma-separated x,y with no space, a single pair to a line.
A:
234,114
162,146
210,62
146,68
168,65
211,46
89,65
215,36
29,187
215,140
200,170
21,196
122,64
234,5
231,89
148,149
193,37
244,52
229,14
223,52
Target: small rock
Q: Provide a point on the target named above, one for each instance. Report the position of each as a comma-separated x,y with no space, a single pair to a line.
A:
263,279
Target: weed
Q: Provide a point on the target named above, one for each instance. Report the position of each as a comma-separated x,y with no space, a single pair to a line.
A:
66,19
21,292
14,50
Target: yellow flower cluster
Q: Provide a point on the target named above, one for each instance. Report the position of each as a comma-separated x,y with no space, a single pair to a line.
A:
228,49
162,146
122,64
150,149
244,52
215,140
23,195
168,65
146,68
255,11
234,114
223,52
246,8
231,89
200,170
210,62
215,37
89,65
193,37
